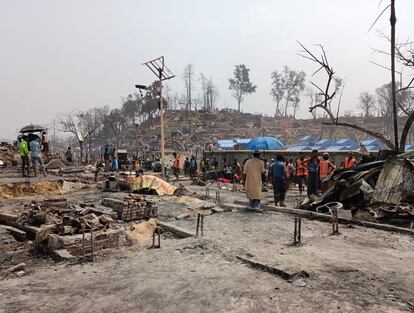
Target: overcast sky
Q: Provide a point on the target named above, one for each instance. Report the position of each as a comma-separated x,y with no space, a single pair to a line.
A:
58,56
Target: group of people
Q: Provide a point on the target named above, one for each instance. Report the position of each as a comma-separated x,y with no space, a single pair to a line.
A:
189,166
310,172
30,148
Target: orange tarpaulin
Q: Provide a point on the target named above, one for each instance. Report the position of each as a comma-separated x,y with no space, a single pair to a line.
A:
151,182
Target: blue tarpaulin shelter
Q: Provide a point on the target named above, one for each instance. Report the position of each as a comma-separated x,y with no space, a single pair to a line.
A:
347,142
243,140
265,143
324,143
372,148
299,148
339,148
309,140
226,144
373,142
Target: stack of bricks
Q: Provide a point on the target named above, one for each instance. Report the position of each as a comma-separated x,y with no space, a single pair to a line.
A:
131,208
103,239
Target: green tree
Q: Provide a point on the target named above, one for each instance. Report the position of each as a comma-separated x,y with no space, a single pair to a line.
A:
241,83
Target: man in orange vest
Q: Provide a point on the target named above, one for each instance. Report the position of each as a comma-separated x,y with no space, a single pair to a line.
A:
350,161
325,168
301,173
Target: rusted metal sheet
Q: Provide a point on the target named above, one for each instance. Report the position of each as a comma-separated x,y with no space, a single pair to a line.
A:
395,182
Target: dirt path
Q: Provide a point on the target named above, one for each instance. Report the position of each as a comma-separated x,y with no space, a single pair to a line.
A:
361,270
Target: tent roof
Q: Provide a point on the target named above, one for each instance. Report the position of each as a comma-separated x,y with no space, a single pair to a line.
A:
243,140
345,141
308,137
338,147
298,148
325,142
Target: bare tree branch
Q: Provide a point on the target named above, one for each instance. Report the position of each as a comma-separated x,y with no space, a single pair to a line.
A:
367,131
379,16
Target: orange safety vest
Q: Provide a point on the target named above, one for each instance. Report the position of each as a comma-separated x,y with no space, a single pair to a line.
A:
350,162
300,168
325,168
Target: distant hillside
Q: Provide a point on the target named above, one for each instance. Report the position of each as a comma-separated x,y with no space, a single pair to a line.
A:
187,130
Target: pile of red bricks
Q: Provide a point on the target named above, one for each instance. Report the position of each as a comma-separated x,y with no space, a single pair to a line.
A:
131,208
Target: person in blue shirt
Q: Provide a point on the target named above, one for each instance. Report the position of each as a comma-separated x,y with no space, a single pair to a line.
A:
35,149
313,173
193,166
278,180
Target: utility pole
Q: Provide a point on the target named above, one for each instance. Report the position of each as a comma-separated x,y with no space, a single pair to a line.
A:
162,72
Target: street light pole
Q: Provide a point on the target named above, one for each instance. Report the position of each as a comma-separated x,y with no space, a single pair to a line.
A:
162,72
162,137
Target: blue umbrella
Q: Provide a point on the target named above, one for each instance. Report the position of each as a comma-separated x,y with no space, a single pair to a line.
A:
265,143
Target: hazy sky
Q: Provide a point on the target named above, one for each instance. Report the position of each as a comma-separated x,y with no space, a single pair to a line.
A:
57,56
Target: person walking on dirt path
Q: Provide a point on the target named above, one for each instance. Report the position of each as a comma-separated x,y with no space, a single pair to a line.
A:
313,166
290,173
252,177
301,173
326,168
269,171
187,166
176,165
237,169
68,155
279,178
24,155
45,142
36,156
193,167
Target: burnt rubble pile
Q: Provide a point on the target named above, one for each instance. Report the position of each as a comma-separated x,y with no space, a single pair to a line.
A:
8,154
384,189
63,218
65,230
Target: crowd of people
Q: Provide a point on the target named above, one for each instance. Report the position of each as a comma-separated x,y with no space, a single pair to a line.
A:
309,173
31,148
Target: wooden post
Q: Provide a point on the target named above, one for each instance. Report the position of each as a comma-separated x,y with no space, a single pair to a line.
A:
393,22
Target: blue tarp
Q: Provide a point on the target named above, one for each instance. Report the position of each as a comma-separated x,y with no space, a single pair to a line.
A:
339,148
347,142
265,143
316,148
373,142
243,140
325,143
373,148
298,148
409,147
226,143
308,140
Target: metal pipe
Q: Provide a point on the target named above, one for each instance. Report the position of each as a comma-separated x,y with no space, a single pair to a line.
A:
83,243
92,245
295,231
198,223
202,225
